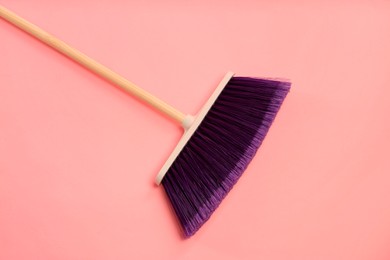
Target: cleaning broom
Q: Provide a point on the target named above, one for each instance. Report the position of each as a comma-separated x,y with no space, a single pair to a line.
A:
217,144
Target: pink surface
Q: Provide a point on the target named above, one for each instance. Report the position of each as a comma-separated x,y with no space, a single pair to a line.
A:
78,157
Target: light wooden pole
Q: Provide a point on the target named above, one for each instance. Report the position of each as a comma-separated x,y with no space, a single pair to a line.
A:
92,65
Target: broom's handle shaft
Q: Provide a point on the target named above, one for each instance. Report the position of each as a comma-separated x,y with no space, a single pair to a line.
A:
91,64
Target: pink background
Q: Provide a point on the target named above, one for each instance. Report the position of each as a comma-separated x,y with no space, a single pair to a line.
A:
78,157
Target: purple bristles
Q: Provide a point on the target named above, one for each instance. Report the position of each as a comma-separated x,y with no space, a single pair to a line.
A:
221,148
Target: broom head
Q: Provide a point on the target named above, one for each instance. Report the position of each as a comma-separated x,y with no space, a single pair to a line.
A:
214,152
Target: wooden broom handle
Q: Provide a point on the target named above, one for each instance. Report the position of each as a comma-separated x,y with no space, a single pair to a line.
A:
91,64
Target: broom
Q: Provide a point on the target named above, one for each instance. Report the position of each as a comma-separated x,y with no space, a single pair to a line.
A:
217,144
